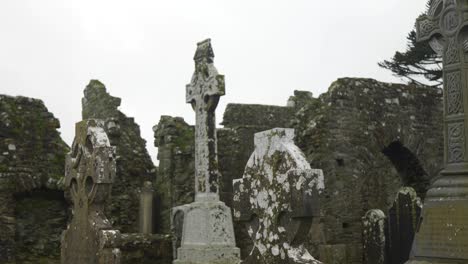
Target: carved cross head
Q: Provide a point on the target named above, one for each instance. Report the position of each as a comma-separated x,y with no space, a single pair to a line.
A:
89,173
444,25
207,85
90,166
277,197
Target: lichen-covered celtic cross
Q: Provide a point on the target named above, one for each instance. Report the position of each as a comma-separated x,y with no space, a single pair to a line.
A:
446,28
89,173
278,199
203,93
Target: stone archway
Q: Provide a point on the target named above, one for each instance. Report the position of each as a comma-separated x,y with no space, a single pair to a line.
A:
408,166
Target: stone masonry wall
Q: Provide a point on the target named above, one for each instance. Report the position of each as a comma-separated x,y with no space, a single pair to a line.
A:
134,165
175,184
32,207
369,138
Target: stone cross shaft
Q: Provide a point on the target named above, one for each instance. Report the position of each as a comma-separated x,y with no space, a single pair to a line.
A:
445,26
203,94
443,227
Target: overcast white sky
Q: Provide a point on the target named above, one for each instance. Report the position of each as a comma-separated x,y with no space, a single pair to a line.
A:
142,50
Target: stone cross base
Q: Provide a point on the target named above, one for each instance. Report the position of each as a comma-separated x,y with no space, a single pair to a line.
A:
207,234
443,233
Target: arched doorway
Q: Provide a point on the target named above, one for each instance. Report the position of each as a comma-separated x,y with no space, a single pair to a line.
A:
408,166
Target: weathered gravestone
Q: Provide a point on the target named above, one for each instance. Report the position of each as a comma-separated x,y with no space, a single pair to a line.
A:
388,240
374,237
277,198
402,222
89,173
207,232
443,233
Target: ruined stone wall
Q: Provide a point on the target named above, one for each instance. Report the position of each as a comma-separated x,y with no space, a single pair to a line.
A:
369,138
134,165
175,184
32,207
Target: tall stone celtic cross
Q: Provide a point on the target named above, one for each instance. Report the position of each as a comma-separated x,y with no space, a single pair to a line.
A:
203,93
89,173
207,235
443,228
444,26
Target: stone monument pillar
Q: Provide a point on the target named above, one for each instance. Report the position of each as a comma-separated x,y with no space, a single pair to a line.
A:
146,208
443,229
207,233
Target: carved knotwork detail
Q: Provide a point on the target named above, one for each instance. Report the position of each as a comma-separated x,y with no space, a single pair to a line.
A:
452,55
433,8
449,2
426,27
203,93
451,21
454,93
456,142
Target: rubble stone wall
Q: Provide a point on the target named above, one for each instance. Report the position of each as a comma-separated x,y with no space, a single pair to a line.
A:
370,139
134,165
32,160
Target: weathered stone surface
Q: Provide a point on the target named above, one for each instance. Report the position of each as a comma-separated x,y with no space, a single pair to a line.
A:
333,254
443,232
277,198
402,223
374,237
134,165
89,174
174,185
370,139
207,232
145,249
32,207
203,93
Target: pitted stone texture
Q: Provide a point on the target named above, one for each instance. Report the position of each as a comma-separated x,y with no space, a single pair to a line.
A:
134,165
175,185
89,174
32,156
344,132
278,199
374,237
203,93
207,232
140,248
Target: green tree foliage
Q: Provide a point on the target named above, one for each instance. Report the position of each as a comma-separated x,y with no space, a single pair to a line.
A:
418,64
